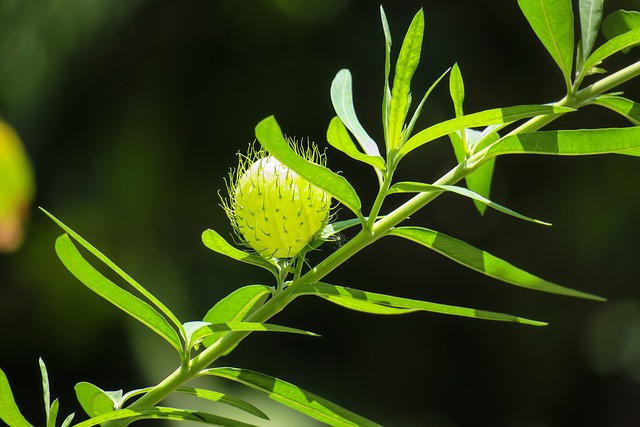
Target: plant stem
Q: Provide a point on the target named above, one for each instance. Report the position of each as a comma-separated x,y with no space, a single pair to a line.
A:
364,238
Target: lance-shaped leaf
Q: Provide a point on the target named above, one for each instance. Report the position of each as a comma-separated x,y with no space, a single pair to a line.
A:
95,252
570,142
616,44
416,114
342,100
419,187
217,243
375,303
339,138
271,138
482,118
235,307
207,329
130,304
163,413
386,97
483,262
590,19
625,107
9,411
46,391
552,21
294,397
620,22
215,396
67,421
406,65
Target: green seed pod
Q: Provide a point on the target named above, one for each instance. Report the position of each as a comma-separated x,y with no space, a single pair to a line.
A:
274,210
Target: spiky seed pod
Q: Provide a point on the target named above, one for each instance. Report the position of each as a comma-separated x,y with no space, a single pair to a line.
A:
274,210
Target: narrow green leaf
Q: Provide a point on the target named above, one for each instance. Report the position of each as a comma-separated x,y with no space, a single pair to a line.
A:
483,262
271,138
616,44
386,97
368,306
217,243
9,411
67,421
419,187
416,114
215,396
590,19
406,65
570,142
207,330
130,304
93,400
482,118
293,397
235,307
46,391
620,22
552,21
95,252
342,100
339,138
625,107
456,89
479,180
341,293
52,415
162,413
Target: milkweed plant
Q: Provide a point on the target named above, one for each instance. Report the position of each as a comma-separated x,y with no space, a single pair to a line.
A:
282,198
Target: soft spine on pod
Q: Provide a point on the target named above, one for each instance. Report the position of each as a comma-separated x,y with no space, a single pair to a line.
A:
274,210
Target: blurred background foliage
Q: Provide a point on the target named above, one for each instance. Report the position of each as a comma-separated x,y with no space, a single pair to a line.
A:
132,113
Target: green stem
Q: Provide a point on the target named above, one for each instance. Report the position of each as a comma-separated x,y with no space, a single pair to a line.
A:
360,241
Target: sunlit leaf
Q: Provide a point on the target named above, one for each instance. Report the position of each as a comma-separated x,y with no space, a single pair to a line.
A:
386,98
235,307
416,114
130,304
271,138
625,107
616,44
215,396
483,262
620,22
570,142
482,118
52,413
17,187
339,138
9,411
138,287
215,328
46,390
67,421
162,413
456,89
94,400
590,19
371,300
419,187
342,100
217,243
294,397
552,21
406,65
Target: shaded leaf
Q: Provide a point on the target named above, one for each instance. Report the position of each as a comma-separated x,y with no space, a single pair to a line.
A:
294,397
95,252
342,100
419,187
625,107
482,118
235,307
215,396
9,411
570,142
406,65
130,304
94,400
339,138
271,138
590,19
552,21
482,261
211,329
340,293
217,243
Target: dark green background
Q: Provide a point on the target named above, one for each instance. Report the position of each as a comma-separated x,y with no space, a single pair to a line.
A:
133,113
